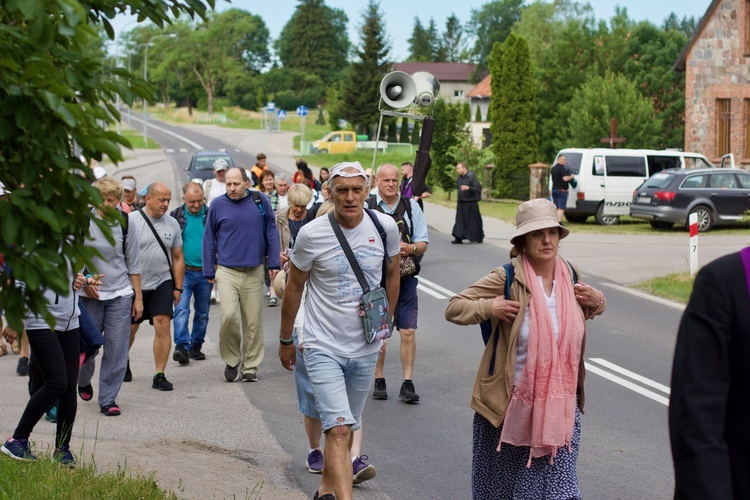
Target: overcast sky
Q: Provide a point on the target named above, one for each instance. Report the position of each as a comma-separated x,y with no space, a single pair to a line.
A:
399,14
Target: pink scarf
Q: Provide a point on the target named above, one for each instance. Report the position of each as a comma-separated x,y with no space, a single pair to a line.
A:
542,408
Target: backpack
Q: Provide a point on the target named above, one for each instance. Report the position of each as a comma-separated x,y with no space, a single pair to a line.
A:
124,222
405,230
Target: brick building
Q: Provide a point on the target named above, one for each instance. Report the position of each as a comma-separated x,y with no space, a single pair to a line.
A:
716,62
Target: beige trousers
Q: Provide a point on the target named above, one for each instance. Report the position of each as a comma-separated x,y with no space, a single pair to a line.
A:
241,326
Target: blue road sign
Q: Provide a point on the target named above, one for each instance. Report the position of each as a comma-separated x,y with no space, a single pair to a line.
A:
301,110
281,114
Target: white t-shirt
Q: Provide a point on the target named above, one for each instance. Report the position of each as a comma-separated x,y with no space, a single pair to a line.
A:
332,321
217,189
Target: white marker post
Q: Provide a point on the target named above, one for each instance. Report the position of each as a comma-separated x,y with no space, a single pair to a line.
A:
693,220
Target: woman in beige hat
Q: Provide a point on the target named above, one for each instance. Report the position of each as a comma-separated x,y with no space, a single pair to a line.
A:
528,392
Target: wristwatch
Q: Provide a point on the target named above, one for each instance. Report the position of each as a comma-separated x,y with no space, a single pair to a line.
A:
178,290
414,250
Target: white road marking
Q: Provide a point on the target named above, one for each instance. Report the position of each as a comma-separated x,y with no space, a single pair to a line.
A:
430,292
638,378
169,150
237,150
183,150
435,286
646,296
169,132
627,384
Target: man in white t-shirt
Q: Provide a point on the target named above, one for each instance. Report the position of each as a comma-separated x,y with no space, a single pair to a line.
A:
217,186
339,361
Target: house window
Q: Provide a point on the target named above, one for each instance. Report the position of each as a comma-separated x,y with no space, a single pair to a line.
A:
747,128
723,126
458,93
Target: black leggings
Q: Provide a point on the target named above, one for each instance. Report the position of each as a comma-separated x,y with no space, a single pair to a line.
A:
53,375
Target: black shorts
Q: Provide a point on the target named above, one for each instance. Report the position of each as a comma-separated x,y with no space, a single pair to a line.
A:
159,302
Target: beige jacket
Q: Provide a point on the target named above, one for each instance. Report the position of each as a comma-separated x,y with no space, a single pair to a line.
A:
491,394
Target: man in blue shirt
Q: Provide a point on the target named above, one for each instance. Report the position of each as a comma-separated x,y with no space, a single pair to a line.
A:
414,240
191,216
240,232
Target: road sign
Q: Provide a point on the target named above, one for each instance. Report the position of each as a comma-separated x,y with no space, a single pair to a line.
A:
281,114
271,106
301,110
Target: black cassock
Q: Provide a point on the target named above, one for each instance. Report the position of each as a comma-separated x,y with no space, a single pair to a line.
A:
468,224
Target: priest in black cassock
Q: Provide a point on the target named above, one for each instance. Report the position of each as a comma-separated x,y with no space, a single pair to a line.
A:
468,224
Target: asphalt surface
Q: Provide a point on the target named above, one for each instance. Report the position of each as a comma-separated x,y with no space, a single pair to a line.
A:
210,439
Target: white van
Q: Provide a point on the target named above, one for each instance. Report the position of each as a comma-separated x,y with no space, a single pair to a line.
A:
607,178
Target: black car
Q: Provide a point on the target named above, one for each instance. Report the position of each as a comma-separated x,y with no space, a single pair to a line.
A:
202,164
716,195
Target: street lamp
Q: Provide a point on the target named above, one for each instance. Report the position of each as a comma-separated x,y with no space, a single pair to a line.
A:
135,48
145,78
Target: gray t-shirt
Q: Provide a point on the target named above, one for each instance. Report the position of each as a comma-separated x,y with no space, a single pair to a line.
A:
154,264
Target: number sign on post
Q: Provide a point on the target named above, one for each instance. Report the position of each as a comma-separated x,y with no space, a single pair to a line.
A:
693,221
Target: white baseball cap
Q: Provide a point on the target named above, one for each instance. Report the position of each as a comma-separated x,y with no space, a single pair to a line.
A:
220,165
344,169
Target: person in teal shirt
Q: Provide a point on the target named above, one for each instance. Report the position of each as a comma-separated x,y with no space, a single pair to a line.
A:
191,216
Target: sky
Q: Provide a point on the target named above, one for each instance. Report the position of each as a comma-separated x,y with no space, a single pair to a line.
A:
400,14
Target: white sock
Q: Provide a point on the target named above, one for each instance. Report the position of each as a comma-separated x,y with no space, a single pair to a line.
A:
312,450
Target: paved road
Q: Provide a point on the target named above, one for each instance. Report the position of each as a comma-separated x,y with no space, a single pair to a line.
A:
239,434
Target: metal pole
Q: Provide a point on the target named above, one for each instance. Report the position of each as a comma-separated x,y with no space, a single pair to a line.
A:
302,133
145,102
375,151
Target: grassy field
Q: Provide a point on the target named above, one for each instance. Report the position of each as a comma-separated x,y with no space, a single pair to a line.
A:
675,287
47,479
136,139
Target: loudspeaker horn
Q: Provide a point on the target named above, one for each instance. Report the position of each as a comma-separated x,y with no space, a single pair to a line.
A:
427,88
398,89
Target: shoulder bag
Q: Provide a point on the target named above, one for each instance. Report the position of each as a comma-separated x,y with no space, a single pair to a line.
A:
373,305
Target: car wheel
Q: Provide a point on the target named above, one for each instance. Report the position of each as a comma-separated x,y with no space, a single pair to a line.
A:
605,220
577,219
658,224
705,218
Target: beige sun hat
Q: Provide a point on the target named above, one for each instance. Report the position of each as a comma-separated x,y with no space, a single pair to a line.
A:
537,214
279,283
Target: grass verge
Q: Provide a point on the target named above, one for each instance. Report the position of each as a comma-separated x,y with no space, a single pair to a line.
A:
136,139
677,287
45,478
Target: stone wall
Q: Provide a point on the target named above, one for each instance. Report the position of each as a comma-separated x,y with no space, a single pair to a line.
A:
718,67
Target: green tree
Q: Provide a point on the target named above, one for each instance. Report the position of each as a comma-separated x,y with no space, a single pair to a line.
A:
491,23
392,130
333,105
478,117
421,44
321,119
466,111
403,137
651,55
56,101
315,40
449,128
453,44
288,88
226,43
358,103
514,138
686,25
599,100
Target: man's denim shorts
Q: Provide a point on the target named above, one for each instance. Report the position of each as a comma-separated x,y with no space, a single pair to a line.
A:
560,198
407,306
341,386
305,395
